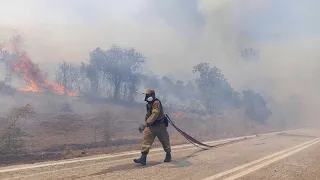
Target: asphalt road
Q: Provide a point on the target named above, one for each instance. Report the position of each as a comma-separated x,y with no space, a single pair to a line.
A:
285,155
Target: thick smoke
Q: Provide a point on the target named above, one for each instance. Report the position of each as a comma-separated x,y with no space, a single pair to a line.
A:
177,34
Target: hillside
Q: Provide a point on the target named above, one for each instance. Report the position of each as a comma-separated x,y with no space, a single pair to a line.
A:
89,127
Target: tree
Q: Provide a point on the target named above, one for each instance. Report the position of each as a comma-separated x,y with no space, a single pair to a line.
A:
250,54
121,66
215,89
255,106
66,75
91,72
11,136
132,84
6,89
7,59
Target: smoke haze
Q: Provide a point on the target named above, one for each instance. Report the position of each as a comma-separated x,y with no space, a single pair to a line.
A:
175,35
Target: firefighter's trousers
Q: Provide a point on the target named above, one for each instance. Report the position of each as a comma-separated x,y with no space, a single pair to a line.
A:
150,133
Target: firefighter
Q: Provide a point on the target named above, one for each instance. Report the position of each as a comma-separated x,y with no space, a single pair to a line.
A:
155,125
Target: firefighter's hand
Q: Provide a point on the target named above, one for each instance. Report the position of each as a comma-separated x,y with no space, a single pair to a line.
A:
142,127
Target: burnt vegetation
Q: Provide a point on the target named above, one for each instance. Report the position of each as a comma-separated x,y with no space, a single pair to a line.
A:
116,75
113,77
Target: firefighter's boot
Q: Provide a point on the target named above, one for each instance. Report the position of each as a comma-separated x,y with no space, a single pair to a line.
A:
142,160
168,157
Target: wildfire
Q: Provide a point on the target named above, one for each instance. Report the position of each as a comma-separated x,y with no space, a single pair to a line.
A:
31,73
178,115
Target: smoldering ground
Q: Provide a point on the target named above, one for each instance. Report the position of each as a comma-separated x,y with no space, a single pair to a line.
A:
175,35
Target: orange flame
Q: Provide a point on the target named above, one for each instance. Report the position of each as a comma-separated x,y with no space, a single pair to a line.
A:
31,73
178,115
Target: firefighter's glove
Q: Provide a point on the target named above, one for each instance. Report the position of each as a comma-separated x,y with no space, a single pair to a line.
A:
142,127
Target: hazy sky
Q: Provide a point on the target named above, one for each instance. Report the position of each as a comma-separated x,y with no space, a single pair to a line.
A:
176,34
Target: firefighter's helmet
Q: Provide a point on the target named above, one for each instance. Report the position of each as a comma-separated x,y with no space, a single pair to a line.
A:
149,91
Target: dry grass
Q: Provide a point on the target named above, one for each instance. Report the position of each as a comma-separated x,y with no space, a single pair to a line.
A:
93,128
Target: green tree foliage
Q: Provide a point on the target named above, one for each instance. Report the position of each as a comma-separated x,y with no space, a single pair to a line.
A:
216,92
11,134
122,67
255,106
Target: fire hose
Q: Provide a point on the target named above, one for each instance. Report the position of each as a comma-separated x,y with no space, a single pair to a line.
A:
199,144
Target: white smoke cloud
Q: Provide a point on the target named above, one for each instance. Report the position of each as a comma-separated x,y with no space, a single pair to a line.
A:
175,35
